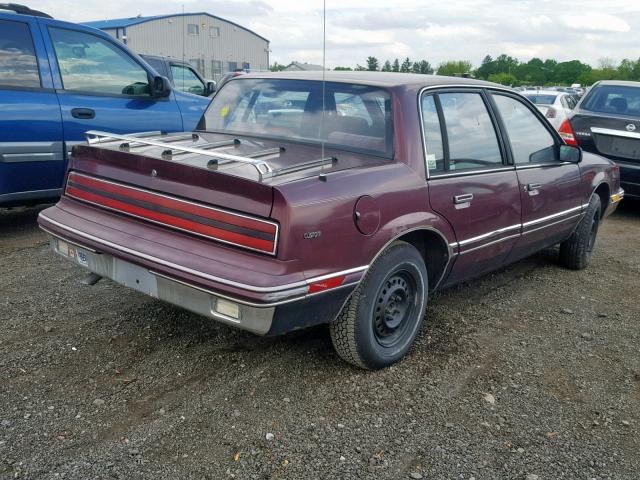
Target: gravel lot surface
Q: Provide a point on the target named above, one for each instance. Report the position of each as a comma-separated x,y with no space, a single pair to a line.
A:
529,373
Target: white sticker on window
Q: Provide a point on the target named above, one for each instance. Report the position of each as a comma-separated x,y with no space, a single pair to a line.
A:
431,161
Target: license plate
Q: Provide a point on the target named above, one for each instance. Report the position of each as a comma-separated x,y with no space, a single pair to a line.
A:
135,277
73,253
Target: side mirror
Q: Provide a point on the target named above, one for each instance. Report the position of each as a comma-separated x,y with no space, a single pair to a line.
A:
160,87
210,88
570,153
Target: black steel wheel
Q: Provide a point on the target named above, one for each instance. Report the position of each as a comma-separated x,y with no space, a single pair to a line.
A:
379,323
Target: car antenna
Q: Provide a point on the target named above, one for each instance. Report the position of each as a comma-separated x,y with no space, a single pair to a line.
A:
322,176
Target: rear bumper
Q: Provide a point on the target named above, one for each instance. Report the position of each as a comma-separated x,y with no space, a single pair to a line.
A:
262,319
630,179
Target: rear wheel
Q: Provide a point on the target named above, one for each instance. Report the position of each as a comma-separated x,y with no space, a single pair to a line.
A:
380,322
577,250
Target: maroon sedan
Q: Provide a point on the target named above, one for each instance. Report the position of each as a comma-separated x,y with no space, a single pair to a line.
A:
298,202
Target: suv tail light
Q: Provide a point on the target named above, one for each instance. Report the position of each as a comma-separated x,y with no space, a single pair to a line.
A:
551,113
566,132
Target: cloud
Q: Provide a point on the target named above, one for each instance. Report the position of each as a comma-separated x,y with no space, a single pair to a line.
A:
435,31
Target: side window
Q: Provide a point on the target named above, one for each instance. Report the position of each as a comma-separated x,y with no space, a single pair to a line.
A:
193,29
472,138
186,80
92,64
434,154
18,64
530,141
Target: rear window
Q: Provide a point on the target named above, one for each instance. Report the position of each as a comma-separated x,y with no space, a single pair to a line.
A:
542,99
357,117
620,100
18,64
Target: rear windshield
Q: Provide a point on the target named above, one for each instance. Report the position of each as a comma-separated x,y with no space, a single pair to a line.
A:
542,99
357,117
613,99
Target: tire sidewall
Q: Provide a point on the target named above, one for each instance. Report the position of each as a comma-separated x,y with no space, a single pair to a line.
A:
370,351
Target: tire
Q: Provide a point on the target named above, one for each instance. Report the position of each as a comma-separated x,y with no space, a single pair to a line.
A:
576,251
397,284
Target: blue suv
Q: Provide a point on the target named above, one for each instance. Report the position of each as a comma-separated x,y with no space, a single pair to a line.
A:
58,80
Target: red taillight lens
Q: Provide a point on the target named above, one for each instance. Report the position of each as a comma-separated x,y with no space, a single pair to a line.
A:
551,113
194,218
566,132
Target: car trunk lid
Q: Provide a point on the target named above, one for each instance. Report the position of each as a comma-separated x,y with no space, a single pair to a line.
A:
611,136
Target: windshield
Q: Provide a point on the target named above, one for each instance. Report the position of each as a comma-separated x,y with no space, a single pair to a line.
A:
357,117
542,99
613,99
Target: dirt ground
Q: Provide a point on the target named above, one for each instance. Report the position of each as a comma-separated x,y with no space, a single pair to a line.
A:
532,372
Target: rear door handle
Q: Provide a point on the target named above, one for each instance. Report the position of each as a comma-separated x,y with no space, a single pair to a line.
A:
83,113
465,198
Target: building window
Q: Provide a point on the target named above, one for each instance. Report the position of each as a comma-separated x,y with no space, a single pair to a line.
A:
193,29
246,66
216,68
233,66
214,32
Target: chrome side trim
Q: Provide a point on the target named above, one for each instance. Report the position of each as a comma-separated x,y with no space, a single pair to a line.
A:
464,173
213,278
551,217
46,230
523,166
226,212
499,240
615,133
19,152
552,224
490,234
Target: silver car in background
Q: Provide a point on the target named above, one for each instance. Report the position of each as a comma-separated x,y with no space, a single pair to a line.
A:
555,105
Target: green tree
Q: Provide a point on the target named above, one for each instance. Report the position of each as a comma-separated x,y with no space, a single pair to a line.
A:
625,69
396,66
455,68
372,64
406,65
635,74
569,72
503,78
423,67
486,68
387,66
277,67
343,69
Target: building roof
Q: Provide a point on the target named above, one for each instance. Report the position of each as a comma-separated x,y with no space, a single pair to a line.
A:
381,79
305,67
128,22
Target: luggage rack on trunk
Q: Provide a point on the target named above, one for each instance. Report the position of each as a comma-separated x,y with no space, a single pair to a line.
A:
171,147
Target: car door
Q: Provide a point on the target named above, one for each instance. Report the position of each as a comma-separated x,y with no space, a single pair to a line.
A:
31,154
549,187
187,80
101,86
470,182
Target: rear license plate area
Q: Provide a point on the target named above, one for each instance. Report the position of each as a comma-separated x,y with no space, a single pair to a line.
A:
72,252
619,147
135,277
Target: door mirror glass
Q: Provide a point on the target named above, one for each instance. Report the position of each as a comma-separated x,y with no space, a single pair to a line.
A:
161,87
211,88
569,153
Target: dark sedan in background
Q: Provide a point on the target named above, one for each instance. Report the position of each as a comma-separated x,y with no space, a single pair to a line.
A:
607,122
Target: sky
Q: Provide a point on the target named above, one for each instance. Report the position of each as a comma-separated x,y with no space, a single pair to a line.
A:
432,30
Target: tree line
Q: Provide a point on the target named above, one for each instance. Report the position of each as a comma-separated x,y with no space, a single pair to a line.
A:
508,70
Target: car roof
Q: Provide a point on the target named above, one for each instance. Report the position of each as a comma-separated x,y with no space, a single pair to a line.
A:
379,79
620,83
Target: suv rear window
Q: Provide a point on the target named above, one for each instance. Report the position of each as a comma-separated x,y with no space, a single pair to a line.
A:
357,117
18,65
616,99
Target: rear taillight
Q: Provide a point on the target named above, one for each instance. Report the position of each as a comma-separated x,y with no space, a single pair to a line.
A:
551,113
195,218
566,132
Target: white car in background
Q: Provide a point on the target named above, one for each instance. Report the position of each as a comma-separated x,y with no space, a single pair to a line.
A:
555,105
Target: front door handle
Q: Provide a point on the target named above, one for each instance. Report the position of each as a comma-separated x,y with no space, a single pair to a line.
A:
465,198
83,113
533,186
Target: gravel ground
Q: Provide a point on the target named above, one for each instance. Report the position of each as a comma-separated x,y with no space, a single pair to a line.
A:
529,373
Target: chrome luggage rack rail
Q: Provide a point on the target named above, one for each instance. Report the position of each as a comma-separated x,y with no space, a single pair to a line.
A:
170,149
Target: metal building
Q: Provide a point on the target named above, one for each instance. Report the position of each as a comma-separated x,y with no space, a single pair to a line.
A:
211,44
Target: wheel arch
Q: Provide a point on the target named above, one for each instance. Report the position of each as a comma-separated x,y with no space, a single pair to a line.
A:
603,190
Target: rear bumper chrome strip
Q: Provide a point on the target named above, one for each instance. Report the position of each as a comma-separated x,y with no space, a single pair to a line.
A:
279,290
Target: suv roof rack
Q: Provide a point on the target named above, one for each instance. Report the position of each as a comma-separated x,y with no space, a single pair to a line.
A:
23,10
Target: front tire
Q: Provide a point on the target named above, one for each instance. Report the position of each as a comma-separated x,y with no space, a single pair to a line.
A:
381,320
577,250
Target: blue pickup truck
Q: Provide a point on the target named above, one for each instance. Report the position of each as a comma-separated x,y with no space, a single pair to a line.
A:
58,80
